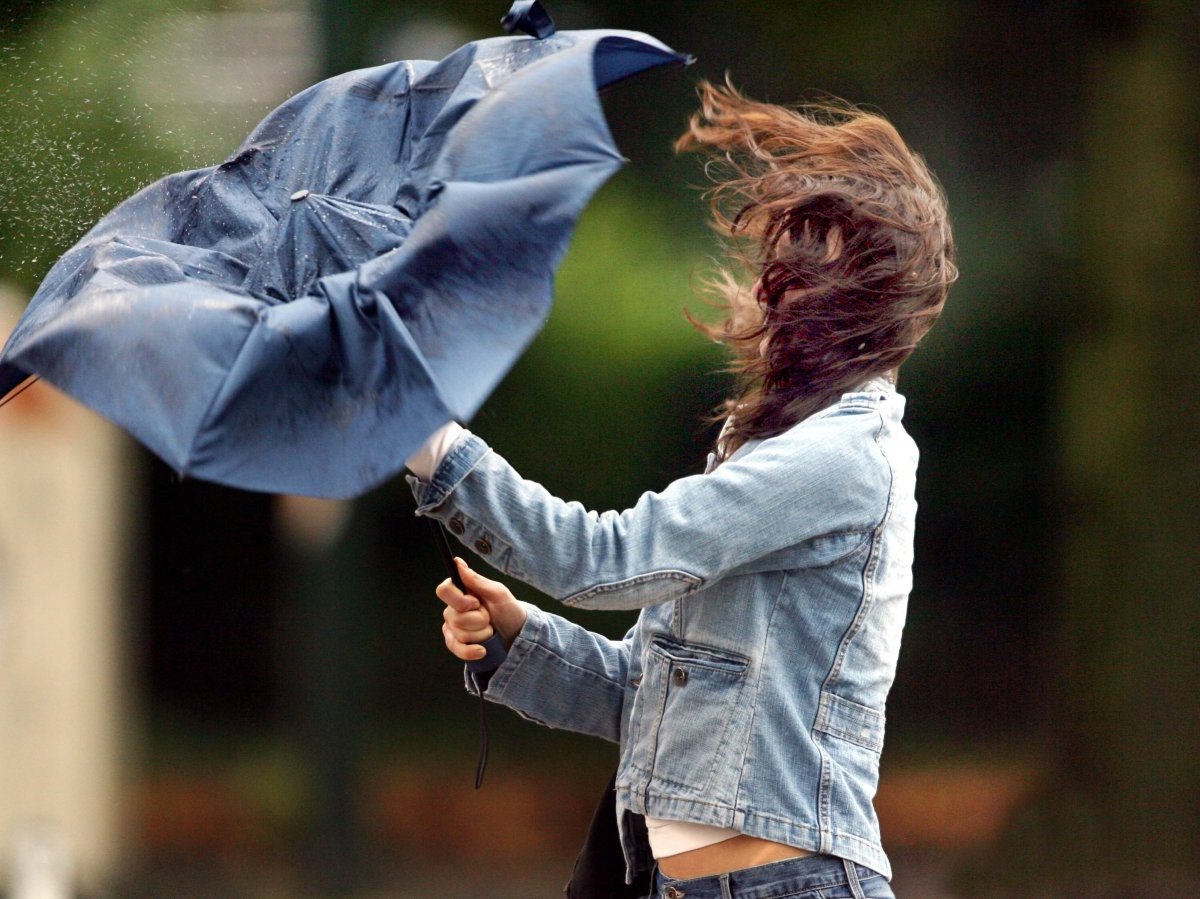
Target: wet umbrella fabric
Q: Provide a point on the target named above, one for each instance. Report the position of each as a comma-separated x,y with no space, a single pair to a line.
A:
366,267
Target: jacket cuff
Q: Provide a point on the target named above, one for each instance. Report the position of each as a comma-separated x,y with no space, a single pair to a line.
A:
462,457
524,645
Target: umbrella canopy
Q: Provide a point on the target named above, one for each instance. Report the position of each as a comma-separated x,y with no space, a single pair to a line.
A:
367,266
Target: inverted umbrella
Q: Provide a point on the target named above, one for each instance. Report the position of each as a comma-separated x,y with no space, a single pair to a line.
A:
366,267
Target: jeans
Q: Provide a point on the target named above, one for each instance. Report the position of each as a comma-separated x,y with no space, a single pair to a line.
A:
811,877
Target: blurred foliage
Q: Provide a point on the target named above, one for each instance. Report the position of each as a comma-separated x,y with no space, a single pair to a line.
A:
1125,647
77,139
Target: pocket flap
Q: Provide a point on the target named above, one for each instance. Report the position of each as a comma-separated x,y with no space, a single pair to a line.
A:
850,721
680,653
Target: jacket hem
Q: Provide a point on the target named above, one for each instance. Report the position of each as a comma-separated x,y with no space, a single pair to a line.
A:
851,847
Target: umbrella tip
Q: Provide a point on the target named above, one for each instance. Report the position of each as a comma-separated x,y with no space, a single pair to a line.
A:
530,17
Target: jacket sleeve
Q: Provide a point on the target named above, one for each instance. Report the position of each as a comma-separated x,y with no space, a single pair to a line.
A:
562,675
824,479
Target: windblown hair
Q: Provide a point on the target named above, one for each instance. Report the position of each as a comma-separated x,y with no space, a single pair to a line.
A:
848,235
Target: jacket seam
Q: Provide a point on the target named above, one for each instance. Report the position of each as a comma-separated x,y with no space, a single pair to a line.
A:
657,725
693,581
825,780
870,566
742,767
864,533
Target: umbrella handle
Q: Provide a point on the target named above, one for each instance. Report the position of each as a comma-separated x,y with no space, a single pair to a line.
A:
494,645
478,670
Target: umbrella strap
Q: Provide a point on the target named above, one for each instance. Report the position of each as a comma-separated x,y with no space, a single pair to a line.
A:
479,680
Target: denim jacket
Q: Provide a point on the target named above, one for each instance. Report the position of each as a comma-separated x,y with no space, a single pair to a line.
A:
772,588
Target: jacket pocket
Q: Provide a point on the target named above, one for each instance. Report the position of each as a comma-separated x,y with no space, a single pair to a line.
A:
850,721
693,722
851,738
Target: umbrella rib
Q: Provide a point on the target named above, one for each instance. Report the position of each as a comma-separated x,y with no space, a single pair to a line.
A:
218,395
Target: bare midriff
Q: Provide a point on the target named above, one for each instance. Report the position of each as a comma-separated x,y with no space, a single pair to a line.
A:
728,855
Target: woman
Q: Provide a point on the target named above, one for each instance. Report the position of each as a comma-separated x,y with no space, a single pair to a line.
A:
748,700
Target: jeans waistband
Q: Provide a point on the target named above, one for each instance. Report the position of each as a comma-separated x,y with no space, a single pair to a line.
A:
789,877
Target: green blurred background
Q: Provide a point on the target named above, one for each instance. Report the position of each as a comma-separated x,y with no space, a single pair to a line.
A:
297,728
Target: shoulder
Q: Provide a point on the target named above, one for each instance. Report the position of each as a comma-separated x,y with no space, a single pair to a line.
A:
843,450
850,430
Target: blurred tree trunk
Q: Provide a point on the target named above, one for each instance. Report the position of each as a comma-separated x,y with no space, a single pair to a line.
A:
1123,807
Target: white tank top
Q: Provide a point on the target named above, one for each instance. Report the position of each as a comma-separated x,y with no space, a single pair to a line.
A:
669,838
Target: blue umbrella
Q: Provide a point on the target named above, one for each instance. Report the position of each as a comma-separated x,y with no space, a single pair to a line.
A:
367,266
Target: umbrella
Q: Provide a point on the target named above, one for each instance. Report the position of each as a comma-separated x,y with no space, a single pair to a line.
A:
365,267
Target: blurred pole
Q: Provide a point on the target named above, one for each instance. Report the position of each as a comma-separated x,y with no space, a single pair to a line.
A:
324,585
63,537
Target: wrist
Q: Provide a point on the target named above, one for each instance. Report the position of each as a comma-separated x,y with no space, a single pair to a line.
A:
512,623
425,461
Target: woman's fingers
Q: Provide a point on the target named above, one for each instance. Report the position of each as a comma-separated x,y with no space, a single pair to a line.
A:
473,617
506,614
465,651
465,621
455,598
468,627
475,620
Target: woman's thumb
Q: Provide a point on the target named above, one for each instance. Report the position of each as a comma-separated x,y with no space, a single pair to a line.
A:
507,614
477,585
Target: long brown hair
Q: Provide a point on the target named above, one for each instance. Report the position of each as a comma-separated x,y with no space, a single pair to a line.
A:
847,233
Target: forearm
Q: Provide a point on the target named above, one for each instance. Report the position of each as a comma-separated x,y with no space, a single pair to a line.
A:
582,558
562,675
822,479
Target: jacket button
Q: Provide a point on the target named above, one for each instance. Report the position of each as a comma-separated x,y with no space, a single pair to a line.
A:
680,675
456,526
483,546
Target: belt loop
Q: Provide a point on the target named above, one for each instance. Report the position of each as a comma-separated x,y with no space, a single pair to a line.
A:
726,889
856,889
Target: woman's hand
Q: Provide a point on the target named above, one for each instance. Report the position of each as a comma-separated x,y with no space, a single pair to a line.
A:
470,618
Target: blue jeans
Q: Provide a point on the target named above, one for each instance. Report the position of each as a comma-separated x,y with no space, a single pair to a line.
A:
811,877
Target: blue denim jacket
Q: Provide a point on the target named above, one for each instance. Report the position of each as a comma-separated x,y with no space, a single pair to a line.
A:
750,694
